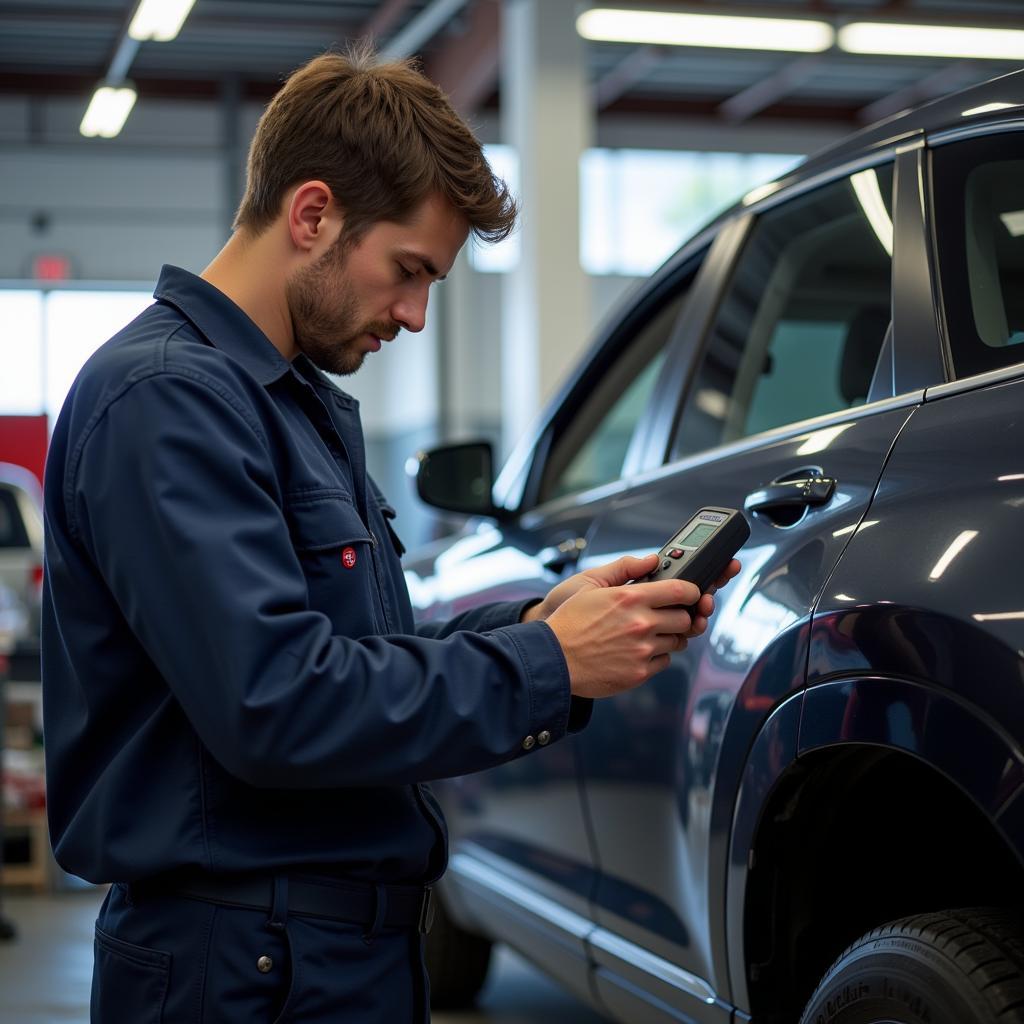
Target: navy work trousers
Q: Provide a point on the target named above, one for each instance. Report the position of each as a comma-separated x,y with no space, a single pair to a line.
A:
173,960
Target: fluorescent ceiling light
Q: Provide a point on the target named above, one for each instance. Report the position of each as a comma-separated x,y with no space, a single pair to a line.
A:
673,29
108,110
869,195
932,40
159,19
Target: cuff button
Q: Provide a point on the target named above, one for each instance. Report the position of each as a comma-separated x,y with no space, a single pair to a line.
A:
543,738
528,743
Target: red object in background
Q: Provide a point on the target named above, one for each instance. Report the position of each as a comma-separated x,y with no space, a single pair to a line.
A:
23,441
51,267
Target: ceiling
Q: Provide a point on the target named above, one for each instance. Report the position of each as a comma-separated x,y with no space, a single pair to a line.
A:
49,47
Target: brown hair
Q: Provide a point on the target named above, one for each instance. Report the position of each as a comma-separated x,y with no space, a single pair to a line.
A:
381,136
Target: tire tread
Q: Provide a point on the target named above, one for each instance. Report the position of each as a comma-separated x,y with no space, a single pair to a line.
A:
986,944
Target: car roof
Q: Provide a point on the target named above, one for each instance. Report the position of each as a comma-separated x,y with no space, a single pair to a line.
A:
974,105
990,102
19,476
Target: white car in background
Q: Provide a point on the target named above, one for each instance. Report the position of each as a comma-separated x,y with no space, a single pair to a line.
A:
21,546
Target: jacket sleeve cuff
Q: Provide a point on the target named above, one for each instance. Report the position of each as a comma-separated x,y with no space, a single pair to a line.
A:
553,710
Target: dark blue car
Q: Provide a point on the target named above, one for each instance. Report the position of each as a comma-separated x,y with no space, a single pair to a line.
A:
816,814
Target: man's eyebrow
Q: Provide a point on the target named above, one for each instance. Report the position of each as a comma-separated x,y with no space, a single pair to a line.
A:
428,265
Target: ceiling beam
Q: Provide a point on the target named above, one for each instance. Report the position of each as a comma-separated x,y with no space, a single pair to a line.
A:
388,15
422,28
155,87
948,79
766,93
466,66
633,68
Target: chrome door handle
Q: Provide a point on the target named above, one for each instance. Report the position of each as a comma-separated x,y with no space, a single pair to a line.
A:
806,492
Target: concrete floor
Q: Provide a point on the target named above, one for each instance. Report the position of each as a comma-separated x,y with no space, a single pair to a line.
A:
46,972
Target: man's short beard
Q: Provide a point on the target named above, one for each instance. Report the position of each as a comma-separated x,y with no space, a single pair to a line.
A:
327,338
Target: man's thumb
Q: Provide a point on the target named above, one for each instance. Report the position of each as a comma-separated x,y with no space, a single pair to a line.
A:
624,569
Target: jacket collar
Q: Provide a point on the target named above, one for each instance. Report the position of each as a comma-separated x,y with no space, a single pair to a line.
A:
223,324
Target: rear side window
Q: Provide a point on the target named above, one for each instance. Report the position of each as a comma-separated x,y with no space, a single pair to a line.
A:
979,231
802,322
12,527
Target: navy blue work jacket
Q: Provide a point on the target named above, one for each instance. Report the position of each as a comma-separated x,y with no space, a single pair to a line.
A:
232,678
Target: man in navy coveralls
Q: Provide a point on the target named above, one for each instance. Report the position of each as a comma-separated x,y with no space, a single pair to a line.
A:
239,708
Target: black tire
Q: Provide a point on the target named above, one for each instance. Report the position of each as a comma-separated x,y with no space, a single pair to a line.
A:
954,967
457,962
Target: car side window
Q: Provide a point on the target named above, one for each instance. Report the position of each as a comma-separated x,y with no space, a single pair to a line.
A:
802,321
979,227
591,449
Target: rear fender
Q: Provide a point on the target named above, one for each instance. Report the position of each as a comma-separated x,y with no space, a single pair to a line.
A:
957,739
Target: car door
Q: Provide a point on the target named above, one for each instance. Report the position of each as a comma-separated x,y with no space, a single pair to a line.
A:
519,844
788,414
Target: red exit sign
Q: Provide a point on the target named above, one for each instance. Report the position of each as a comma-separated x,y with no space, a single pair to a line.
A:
51,267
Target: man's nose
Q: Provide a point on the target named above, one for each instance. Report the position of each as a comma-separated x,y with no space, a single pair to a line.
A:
411,311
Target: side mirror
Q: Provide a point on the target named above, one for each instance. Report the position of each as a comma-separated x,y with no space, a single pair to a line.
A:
457,478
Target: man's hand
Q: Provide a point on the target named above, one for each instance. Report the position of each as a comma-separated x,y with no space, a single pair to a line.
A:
616,637
615,574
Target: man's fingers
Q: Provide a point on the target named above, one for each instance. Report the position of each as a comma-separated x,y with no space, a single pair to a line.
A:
665,593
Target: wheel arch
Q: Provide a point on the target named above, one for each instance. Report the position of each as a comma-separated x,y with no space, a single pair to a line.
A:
842,784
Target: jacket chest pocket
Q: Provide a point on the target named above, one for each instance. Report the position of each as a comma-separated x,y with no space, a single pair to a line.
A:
336,552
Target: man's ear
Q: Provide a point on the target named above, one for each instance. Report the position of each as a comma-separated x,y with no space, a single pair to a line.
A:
314,221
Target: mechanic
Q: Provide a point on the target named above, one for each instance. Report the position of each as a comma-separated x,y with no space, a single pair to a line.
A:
239,709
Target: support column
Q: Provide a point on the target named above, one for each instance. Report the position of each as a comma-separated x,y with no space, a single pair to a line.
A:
546,115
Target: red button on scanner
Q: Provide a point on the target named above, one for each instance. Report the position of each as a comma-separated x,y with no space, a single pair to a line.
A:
676,553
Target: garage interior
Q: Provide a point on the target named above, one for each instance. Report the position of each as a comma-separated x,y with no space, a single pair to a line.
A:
617,150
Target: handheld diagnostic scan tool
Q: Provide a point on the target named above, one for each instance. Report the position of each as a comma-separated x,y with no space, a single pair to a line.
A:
702,549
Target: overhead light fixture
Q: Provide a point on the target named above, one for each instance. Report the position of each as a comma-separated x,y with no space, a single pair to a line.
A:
932,40
160,20
869,195
107,112
605,24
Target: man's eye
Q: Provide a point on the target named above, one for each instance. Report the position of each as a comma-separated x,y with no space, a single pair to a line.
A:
405,273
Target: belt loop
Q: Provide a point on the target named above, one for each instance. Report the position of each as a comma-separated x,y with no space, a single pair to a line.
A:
278,919
381,899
